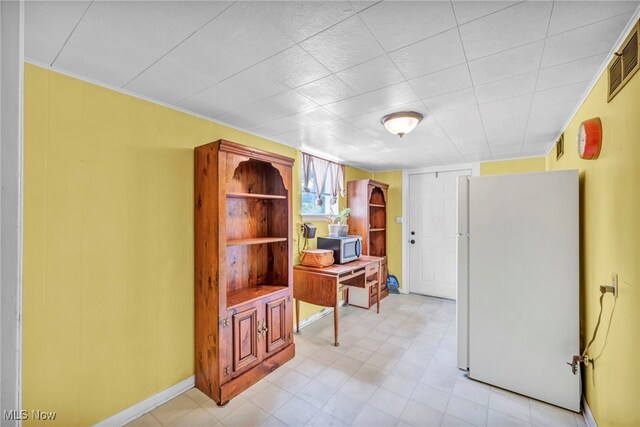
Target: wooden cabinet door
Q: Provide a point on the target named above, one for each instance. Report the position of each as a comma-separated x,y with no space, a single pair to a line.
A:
245,339
279,324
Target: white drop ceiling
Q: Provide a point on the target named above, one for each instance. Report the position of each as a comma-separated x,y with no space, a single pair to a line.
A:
494,79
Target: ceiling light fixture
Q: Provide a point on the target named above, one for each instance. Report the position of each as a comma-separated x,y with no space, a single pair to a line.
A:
402,123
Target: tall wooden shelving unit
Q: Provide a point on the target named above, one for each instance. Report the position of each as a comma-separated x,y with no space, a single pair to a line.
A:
243,271
367,200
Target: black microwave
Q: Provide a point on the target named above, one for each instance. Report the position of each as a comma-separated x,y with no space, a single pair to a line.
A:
345,249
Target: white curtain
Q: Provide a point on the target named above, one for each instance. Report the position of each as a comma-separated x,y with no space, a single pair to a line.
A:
325,173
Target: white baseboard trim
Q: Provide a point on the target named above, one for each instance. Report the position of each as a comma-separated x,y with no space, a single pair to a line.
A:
587,414
317,316
141,408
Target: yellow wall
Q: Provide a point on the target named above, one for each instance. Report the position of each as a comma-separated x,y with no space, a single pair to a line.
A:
394,231
610,242
500,167
108,245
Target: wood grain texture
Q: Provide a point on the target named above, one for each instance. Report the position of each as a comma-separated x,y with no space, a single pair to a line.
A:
206,270
367,199
237,385
243,264
322,286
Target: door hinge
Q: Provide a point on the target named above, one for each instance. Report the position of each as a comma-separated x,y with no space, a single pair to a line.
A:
224,322
289,335
226,370
289,298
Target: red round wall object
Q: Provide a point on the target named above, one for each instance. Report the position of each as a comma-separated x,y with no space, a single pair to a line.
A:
590,139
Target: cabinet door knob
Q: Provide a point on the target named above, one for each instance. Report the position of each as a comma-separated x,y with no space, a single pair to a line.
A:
413,241
413,233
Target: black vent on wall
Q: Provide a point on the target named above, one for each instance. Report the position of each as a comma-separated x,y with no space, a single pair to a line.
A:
624,64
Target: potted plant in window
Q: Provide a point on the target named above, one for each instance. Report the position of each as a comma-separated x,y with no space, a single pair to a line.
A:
338,226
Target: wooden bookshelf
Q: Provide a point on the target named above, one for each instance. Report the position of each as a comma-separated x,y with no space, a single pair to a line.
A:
255,241
243,267
255,196
244,295
367,199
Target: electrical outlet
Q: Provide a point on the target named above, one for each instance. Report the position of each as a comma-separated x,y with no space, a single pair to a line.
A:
614,284
301,228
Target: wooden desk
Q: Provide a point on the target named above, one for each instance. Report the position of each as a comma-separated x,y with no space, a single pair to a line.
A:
322,286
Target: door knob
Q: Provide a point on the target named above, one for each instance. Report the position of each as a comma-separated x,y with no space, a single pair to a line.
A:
412,241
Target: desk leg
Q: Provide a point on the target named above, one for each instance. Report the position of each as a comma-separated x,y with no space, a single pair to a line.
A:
335,325
297,316
378,297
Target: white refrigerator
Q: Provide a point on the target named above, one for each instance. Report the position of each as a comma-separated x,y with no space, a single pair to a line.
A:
518,274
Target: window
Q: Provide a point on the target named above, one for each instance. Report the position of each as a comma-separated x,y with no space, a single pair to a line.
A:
322,183
309,205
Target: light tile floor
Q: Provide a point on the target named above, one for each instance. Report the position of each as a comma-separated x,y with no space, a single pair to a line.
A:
396,368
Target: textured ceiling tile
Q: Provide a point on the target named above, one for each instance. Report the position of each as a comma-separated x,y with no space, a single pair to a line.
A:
193,14
433,54
549,118
327,90
543,137
117,40
514,105
445,81
463,127
371,75
509,28
397,25
338,127
344,45
242,89
240,68
583,42
272,108
564,94
389,97
510,63
180,74
245,33
273,128
571,72
569,15
47,26
294,67
451,101
300,20
469,10
507,117
506,88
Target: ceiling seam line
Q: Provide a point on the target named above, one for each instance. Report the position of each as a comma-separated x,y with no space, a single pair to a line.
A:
427,109
70,34
278,53
473,87
526,127
178,45
451,28
408,84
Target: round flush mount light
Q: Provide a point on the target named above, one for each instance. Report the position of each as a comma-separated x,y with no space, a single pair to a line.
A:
402,123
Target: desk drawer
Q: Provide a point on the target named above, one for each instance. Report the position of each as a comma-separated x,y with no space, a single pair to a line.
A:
372,269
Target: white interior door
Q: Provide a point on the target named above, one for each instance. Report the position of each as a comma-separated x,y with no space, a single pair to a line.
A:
432,233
